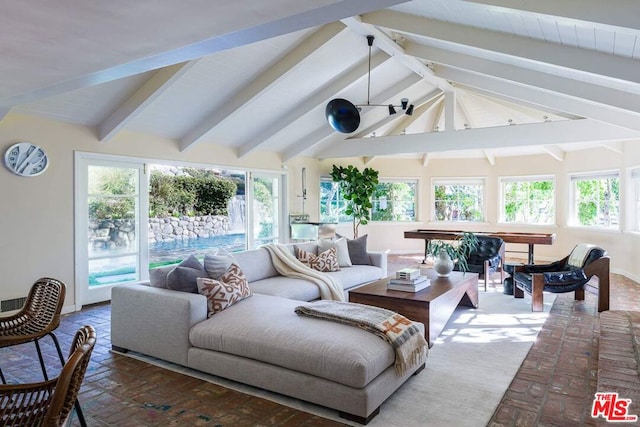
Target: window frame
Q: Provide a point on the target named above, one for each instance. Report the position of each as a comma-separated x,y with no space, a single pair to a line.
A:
632,195
435,181
572,219
341,203
525,178
416,199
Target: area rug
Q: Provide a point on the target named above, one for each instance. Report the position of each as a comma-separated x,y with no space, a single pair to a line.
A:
468,370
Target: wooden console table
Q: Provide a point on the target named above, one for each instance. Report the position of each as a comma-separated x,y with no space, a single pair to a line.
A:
529,239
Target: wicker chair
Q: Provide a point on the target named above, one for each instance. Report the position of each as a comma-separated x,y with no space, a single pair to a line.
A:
49,403
39,317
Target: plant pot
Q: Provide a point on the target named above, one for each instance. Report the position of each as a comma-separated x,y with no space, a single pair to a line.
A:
443,264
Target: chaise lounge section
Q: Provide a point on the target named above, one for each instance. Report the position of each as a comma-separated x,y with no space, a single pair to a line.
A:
262,342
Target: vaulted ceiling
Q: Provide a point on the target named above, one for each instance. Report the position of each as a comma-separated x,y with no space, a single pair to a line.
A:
487,78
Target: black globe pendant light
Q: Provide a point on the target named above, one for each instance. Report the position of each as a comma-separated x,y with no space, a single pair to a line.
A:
342,115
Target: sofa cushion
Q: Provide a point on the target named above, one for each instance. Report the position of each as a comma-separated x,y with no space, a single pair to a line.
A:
341,247
266,328
231,288
256,264
325,261
218,262
286,287
356,275
183,277
358,251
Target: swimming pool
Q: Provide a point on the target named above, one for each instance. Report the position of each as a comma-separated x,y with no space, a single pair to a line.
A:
163,252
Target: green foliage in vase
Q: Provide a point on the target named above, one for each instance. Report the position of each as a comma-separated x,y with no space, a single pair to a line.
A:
458,249
357,188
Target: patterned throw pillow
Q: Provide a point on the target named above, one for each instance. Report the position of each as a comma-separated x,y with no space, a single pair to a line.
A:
325,262
223,293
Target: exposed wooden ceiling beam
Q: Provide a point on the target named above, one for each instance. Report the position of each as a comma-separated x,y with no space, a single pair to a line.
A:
579,89
542,98
162,80
535,134
505,46
554,151
267,79
615,146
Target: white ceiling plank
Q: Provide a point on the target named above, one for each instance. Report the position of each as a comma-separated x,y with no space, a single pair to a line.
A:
437,116
535,134
554,151
321,96
616,13
515,47
267,79
450,110
592,92
151,90
327,131
262,26
542,98
386,43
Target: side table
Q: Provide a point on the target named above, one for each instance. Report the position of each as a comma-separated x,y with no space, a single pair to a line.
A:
509,268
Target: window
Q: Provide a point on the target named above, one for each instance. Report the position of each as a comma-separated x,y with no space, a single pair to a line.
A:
458,199
394,200
634,200
332,204
595,200
528,200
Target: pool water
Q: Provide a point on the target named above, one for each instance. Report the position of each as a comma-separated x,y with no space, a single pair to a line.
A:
163,252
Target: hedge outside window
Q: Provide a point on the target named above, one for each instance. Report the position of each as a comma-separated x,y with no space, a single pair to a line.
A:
458,199
528,200
595,200
394,200
332,204
634,197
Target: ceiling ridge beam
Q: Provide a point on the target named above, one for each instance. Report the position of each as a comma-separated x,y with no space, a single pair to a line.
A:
559,132
327,131
386,43
266,80
161,80
320,96
567,86
483,42
615,14
542,97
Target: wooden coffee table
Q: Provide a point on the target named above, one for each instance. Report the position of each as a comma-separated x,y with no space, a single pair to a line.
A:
433,306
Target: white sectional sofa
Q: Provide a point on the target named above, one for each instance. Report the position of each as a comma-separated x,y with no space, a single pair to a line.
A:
261,341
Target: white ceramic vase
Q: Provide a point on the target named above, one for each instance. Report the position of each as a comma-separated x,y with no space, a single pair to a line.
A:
443,264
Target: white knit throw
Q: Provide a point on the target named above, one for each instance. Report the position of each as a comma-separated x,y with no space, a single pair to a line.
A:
288,265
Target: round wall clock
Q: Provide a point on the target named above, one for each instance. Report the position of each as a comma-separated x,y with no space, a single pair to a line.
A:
26,159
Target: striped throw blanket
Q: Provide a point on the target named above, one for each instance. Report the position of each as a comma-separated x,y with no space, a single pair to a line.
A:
403,335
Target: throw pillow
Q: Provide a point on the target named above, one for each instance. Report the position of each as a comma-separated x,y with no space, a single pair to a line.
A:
231,288
341,247
327,261
217,263
158,276
358,251
183,277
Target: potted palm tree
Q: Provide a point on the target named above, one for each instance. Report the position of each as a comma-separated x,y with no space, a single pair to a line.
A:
446,254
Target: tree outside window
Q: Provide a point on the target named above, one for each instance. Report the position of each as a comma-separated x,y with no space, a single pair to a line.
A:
458,200
596,200
528,200
332,204
394,201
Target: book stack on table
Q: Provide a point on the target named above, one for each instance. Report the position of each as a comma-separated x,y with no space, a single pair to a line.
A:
408,280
